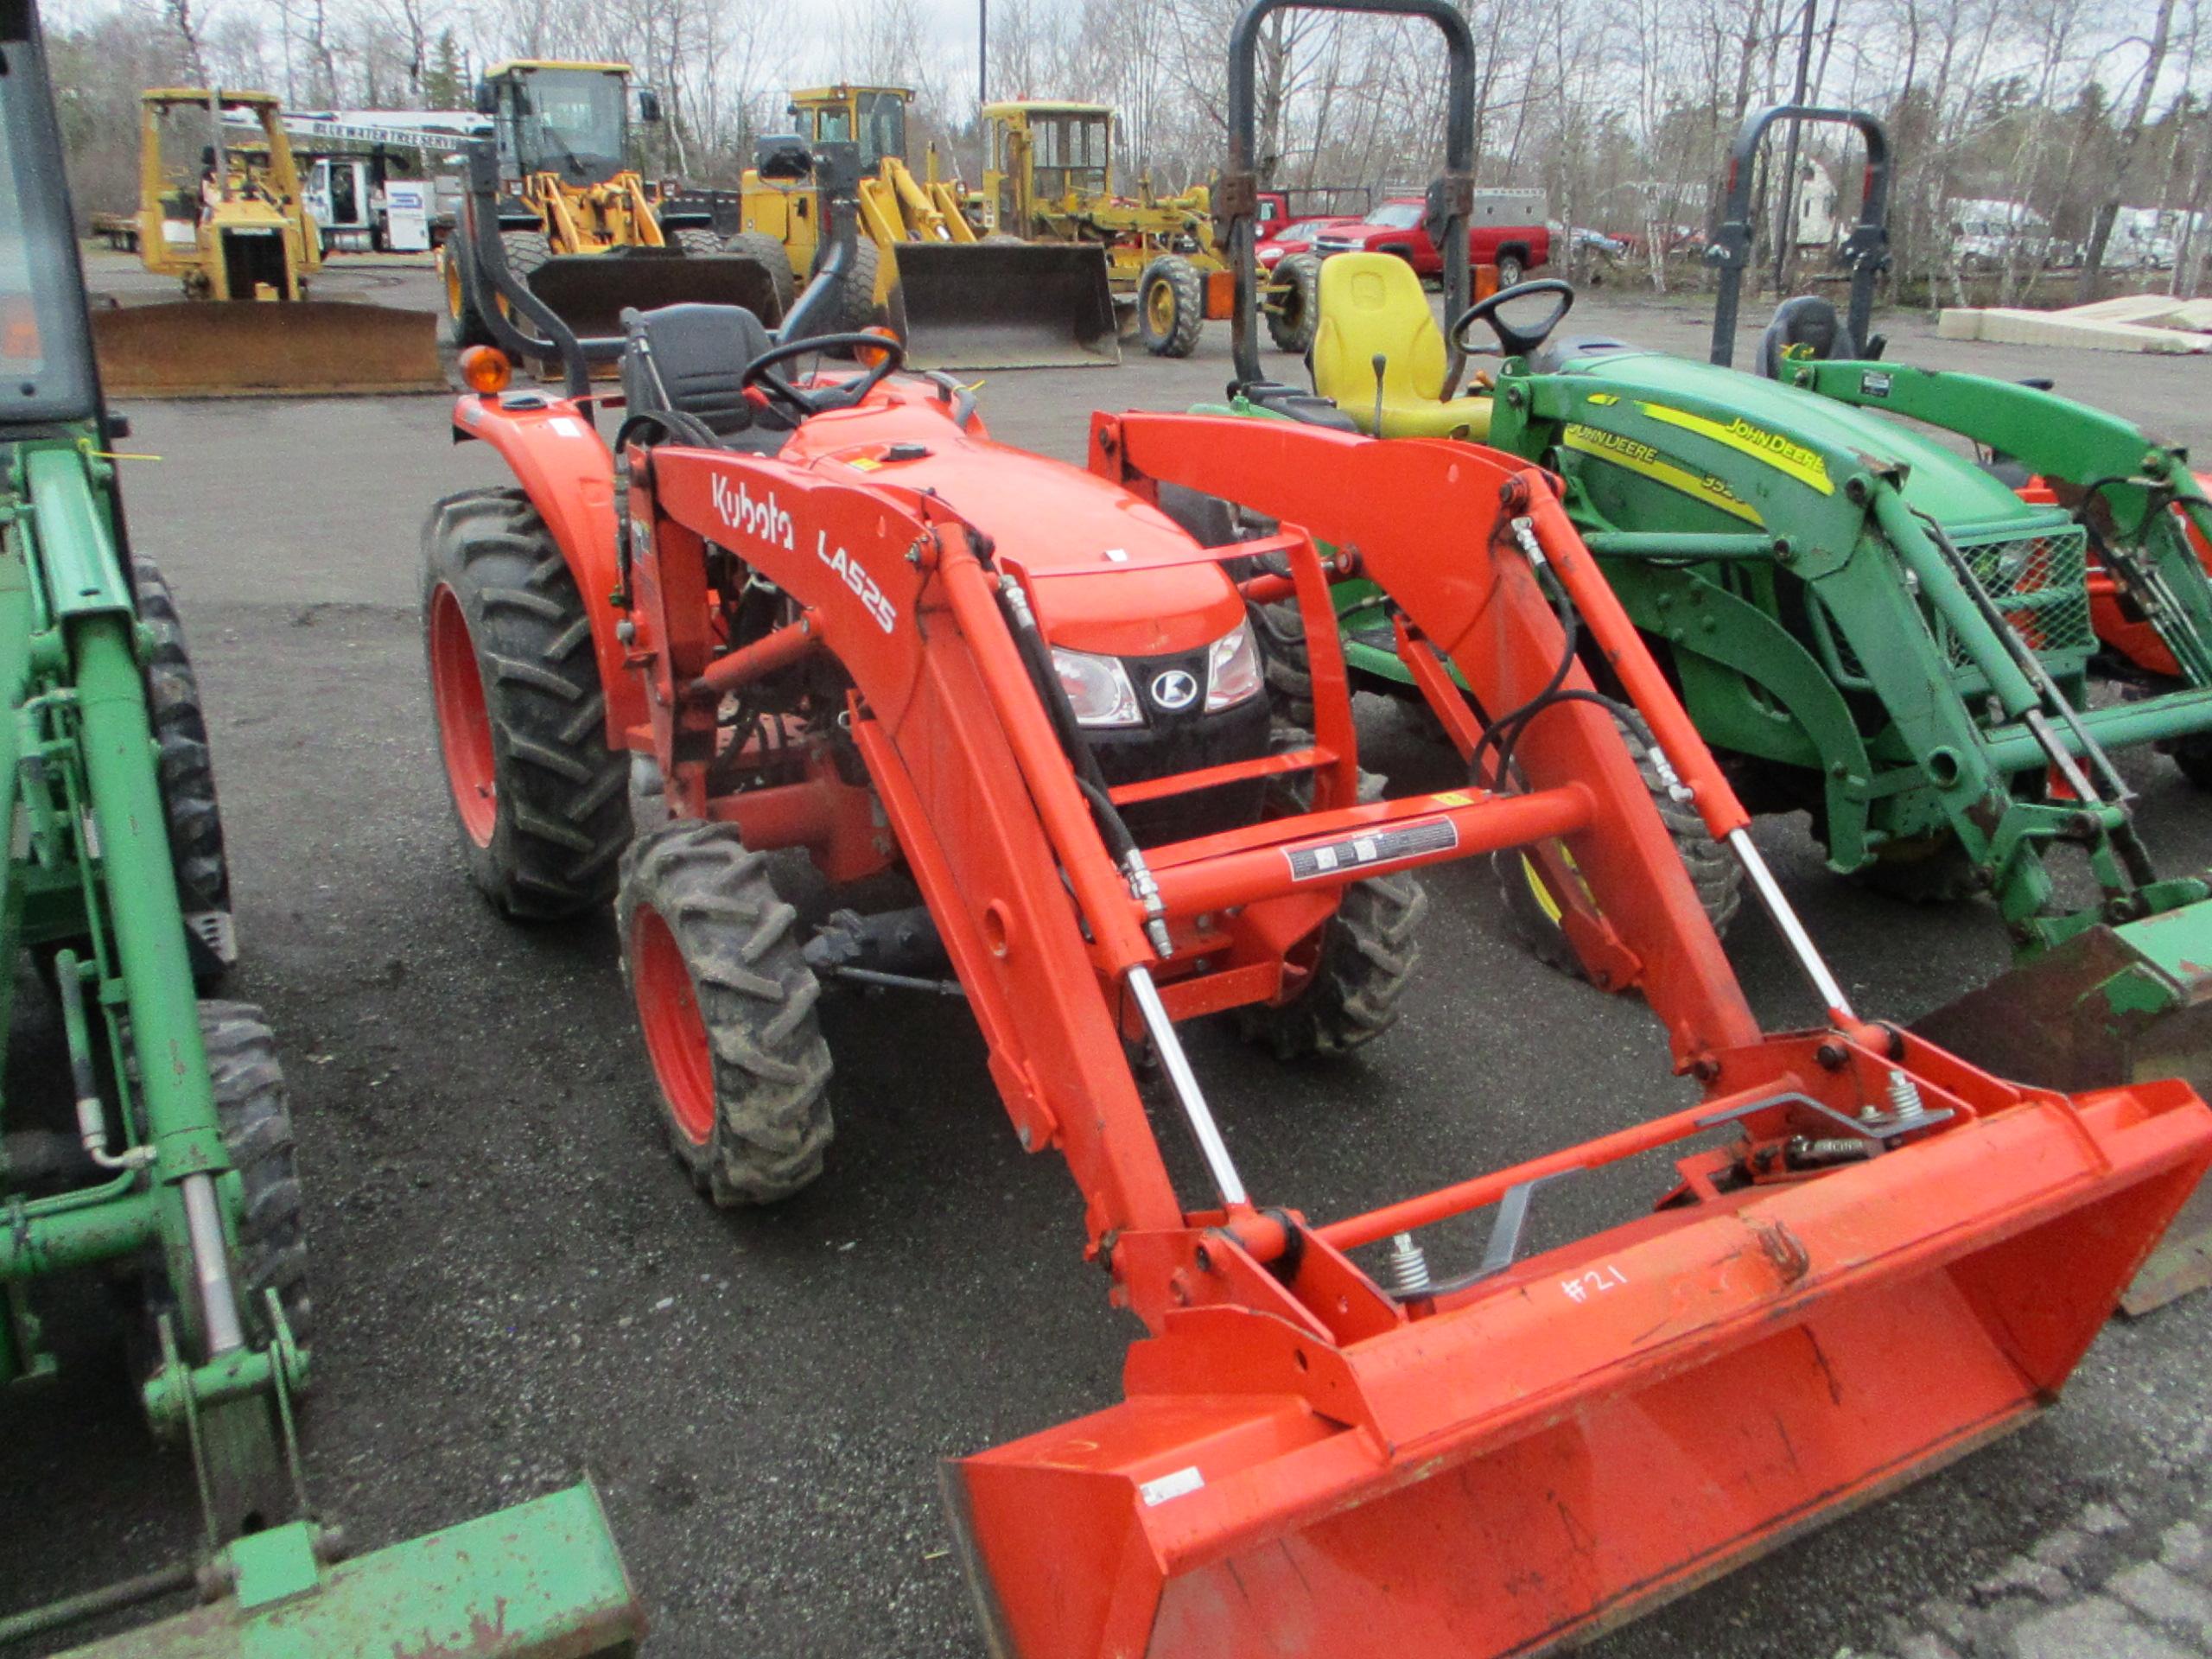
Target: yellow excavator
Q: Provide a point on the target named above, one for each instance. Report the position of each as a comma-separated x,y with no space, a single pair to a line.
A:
577,222
221,209
960,298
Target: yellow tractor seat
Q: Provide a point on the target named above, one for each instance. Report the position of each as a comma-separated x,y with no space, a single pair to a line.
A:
1372,305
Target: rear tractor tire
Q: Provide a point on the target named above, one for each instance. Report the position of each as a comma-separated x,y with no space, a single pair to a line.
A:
187,780
541,803
1532,914
1294,313
726,1004
1171,305
698,242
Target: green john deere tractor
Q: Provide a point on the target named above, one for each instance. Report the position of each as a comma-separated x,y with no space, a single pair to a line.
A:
161,1156
1863,616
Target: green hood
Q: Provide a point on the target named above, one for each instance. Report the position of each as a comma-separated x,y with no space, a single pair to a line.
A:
1949,488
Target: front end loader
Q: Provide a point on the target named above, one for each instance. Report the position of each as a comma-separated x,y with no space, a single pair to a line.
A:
957,299
224,214
1868,625
579,224
161,1156
827,612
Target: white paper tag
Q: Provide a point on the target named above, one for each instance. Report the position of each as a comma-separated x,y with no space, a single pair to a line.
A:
1164,1487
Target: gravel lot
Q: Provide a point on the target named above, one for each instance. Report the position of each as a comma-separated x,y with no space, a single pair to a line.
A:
516,1288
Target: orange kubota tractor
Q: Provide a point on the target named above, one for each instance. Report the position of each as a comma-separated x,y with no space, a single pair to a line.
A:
828,611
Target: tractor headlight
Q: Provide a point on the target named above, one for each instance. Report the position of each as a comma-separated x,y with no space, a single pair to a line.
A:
1233,668
1098,687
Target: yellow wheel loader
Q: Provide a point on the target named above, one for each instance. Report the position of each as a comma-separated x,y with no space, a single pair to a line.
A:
577,222
1048,176
959,300
220,210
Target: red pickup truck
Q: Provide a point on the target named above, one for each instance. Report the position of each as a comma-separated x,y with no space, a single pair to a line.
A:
1287,226
1507,230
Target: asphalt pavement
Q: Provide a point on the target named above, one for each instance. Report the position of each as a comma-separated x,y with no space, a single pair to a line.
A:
515,1287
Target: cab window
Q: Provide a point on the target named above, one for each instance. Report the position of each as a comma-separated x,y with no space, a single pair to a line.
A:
45,357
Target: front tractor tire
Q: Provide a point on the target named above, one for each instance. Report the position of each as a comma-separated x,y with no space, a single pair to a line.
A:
1533,913
726,1004
541,803
1369,952
1171,305
1295,307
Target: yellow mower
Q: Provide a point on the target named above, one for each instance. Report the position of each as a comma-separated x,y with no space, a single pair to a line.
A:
223,213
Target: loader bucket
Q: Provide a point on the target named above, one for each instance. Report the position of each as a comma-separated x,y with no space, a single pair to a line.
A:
1000,305
589,291
541,1580
2112,1005
246,348
1591,1431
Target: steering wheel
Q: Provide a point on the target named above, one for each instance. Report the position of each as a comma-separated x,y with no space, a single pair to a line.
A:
845,393
1515,342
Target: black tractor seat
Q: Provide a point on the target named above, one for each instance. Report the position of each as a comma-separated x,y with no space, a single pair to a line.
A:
690,360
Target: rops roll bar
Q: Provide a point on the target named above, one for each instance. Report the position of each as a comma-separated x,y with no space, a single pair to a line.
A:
1450,196
1866,251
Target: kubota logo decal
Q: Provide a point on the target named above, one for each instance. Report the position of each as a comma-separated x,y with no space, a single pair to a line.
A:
762,519
1175,688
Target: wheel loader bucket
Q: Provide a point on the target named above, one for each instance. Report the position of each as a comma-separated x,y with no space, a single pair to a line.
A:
1591,1431
589,291
2112,1005
1000,305
308,348
541,1580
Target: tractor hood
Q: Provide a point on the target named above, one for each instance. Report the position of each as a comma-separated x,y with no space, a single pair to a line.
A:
1106,572
1949,486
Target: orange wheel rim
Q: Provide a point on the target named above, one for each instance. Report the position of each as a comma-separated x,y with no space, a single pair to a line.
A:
464,722
675,1037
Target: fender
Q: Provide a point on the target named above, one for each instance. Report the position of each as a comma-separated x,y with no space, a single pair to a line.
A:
568,472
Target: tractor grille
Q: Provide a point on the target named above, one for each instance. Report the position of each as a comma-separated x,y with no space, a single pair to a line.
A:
2040,583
